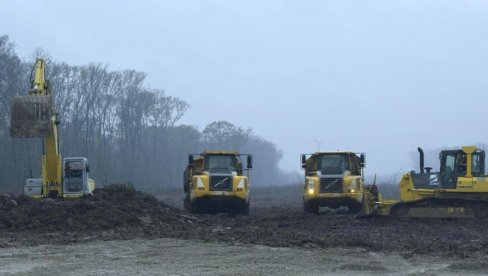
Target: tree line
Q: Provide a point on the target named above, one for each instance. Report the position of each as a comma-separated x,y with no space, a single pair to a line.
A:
129,133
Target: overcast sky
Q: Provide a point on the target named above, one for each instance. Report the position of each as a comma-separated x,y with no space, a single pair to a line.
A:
381,77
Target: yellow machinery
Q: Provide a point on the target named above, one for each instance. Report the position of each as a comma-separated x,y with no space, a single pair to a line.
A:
34,116
458,190
214,180
333,179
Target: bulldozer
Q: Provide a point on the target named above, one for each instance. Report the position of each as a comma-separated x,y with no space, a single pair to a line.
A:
458,190
214,181
34,116
333,179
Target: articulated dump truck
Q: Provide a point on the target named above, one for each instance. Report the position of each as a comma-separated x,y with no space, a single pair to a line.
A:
214,181
458,190
333,179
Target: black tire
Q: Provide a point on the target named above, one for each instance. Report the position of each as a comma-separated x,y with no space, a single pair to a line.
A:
354,209
310,208
188,205
245,209
240,209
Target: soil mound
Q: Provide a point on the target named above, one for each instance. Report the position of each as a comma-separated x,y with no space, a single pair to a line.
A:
109,207
120,212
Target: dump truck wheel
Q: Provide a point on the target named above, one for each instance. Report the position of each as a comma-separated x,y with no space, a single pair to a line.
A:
241,209
245,209
311,208
188,205
355,208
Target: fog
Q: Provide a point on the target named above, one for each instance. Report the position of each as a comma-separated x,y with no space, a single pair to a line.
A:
380,77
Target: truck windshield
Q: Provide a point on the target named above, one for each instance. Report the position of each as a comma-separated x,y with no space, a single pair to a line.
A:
333,164
219,163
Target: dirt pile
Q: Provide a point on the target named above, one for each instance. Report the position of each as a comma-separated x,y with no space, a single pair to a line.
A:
120,212
115,206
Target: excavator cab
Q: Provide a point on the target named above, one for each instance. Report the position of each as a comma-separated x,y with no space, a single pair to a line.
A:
76,181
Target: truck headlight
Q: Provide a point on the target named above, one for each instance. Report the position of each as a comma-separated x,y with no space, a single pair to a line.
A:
310,187
241,185
200,185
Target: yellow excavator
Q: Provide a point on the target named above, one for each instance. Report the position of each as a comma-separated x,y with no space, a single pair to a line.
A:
458,190
34,116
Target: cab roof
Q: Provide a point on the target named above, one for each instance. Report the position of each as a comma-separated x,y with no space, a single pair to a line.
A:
222,152
334,152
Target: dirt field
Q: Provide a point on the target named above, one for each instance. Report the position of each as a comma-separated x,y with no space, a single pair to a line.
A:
183,257
123,231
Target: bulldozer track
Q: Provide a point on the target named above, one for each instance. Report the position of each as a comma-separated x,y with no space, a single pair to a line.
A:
441,208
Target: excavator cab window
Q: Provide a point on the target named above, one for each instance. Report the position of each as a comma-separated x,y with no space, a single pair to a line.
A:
333,163
73,177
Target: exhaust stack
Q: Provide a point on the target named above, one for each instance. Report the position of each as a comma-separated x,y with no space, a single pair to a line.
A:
421,159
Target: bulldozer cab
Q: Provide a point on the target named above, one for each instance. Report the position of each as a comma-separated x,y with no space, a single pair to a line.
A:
454,164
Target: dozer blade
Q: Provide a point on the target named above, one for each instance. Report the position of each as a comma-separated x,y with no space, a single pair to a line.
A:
31,116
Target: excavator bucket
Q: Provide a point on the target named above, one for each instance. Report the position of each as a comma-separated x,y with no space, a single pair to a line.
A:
31,116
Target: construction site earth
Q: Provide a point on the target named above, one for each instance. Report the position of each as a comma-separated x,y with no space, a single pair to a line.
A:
119,230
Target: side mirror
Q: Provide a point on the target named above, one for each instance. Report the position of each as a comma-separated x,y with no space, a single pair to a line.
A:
190,159
249,161
87,168
362,159
304,161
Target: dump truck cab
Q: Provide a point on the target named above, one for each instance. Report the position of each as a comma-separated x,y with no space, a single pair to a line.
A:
333,179
214,181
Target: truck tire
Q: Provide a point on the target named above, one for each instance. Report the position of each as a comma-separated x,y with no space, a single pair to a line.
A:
245,209
188,205
311,208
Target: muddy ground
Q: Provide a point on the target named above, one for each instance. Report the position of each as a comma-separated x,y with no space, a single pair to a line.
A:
276,221
186,257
